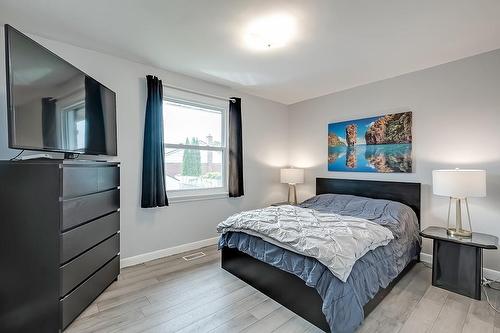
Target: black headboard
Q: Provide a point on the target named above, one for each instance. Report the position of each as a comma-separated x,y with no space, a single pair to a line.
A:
407,193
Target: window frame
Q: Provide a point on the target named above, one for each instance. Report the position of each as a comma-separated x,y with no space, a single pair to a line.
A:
180,195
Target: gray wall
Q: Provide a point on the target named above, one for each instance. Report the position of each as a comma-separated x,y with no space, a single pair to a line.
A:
265,133
456,119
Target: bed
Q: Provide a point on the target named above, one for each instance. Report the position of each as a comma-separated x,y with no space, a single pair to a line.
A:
308,290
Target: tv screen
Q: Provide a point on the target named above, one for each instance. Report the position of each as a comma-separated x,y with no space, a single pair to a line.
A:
52,105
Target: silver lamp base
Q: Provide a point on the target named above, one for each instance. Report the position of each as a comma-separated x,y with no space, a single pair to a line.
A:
458,231
292,200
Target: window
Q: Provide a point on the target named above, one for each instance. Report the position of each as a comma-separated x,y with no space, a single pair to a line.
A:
195,148
73,129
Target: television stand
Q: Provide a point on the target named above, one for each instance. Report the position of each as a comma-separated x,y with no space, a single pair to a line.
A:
67,156
34,157
59,240
71,156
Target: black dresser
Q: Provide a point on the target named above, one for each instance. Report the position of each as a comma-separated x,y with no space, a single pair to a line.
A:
59,240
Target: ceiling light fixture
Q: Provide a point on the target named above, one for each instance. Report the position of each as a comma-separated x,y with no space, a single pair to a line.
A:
270,32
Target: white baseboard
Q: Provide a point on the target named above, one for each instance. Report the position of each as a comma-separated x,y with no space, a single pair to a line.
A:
141,258
427,258
488,273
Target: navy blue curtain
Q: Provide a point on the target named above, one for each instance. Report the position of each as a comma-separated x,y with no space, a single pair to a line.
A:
95,135
153,160
49,122
235,149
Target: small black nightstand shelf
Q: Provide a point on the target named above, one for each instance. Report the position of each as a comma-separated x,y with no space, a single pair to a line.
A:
457,262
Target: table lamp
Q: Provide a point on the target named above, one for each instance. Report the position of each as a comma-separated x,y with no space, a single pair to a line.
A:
292,176
458,185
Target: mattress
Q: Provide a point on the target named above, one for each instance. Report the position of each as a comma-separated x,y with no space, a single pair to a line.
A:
343,302
335,240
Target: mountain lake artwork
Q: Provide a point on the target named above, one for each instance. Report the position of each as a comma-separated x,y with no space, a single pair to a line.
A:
375,144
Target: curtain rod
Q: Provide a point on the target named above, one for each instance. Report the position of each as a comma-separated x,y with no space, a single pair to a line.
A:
199,93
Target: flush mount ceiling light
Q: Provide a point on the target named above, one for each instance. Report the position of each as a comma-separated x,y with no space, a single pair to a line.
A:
270,32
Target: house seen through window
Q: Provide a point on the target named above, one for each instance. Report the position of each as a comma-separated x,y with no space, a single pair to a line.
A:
195,147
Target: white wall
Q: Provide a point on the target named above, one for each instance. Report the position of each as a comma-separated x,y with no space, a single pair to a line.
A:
456,119
265,133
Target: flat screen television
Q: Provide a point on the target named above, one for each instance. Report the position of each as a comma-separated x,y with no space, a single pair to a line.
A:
54,106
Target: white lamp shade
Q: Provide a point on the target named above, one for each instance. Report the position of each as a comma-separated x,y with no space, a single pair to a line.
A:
292,176
459,183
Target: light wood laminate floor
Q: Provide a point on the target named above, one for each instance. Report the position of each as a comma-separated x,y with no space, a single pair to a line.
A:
173,295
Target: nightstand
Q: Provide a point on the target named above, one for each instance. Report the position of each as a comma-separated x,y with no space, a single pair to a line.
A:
281,203
457,262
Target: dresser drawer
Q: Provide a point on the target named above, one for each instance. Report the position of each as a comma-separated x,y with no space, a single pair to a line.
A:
108,178
78,269
79,181
74,303
82,209
80,239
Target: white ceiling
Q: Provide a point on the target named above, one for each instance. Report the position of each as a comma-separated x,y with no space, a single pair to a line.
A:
340,44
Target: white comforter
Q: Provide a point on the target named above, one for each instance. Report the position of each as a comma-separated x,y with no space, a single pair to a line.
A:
334,240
